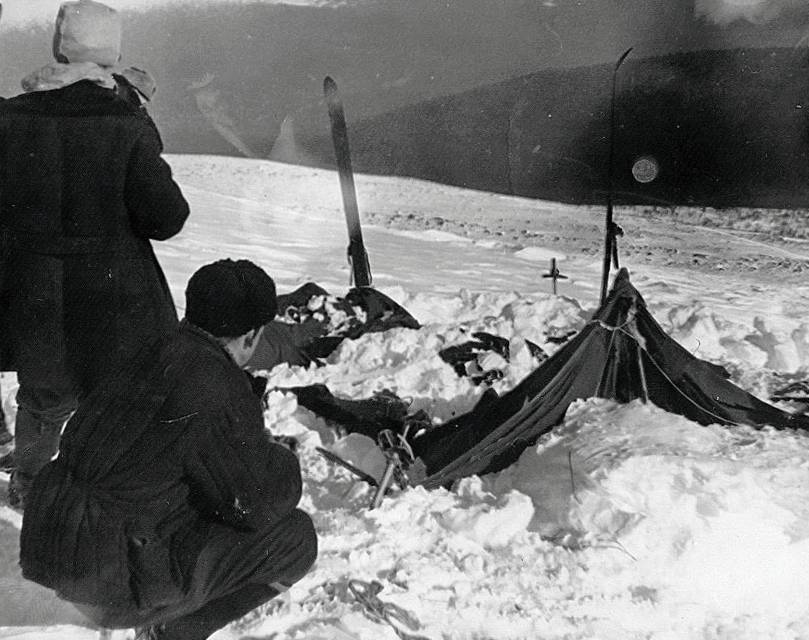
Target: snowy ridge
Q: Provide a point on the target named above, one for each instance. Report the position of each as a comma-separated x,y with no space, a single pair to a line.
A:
44,11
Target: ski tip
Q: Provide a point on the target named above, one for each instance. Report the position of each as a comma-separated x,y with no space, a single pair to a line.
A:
329,85
623,57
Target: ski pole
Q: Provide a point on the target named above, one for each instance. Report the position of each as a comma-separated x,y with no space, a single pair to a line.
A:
398,455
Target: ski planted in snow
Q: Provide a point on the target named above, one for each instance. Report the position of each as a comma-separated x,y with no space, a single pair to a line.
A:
357,256
611,230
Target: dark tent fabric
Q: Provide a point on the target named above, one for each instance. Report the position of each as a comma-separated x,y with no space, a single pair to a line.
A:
370,416
381,312
797,391
385,410
621,354
303,337
464,357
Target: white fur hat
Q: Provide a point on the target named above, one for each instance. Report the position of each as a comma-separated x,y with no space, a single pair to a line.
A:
87,31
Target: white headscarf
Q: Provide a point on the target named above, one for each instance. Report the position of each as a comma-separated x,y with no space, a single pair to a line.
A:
87,46
87,31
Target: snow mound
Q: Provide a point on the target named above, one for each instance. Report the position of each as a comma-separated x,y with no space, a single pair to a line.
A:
766,344
723,510
538,254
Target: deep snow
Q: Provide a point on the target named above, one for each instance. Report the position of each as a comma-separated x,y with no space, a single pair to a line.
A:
626,522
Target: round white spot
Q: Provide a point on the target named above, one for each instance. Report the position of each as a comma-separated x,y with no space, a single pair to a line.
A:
645,169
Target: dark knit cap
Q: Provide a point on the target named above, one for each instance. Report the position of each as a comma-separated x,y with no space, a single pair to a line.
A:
228,298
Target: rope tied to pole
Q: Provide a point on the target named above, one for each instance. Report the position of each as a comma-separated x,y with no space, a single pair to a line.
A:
629,328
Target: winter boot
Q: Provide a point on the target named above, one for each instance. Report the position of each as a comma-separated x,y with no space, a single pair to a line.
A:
216,614
7,463
5,434
16,491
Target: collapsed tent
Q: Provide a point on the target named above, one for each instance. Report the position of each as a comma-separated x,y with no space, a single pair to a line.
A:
384,410
313,323
621,354
465,358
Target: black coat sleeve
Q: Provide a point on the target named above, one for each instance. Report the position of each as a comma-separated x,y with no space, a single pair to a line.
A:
237,474
156,206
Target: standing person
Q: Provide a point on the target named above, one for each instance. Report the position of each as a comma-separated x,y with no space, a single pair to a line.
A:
5,435
186,519
83,190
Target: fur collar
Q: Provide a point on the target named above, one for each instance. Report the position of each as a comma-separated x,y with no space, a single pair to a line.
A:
58,75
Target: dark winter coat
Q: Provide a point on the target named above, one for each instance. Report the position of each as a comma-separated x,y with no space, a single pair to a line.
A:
119,517
82,191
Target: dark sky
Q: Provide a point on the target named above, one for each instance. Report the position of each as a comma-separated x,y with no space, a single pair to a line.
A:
392,52
553,32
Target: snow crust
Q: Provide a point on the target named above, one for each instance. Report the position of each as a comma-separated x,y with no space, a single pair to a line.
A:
624,523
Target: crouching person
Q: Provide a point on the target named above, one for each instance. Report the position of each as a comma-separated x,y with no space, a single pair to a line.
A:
168,508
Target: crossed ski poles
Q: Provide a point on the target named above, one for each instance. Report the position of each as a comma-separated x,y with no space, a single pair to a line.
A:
398,457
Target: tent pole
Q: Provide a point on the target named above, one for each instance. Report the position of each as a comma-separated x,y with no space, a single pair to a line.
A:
642,375
609,227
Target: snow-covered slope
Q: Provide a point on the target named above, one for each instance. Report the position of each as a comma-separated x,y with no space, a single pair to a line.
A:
627,522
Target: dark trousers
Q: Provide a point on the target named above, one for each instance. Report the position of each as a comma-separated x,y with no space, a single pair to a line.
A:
41,415
235,572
